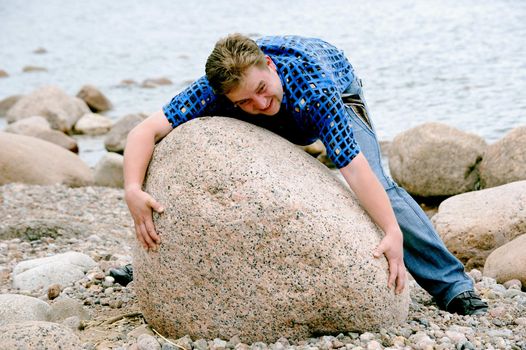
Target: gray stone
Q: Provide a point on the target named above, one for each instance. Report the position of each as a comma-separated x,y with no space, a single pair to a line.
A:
505,160
94,98
474,224
115,140
64,307
434,159
61,268
62,111
15,308
93,124
109,171
147,342
31,160
271,244
508,262
37,335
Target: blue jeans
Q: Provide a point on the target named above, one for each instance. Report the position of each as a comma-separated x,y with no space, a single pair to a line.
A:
425,256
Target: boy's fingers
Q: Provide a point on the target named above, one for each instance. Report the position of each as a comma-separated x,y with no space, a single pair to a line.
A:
146,236
151,231
155,205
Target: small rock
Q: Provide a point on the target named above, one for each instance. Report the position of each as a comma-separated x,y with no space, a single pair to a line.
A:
520,321
476,275
374,345
217,344
157,81
185,342
40,51
29,69
513,284
367,336
148,342
3,73
53,291
200,344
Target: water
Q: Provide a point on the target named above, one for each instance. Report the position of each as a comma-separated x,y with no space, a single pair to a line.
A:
459,62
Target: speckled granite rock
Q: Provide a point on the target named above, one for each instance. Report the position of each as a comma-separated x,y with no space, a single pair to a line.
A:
473,224
434,159
505,160
37,335
508,262
260,240
15,308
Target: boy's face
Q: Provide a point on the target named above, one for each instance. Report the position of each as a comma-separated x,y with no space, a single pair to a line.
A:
260,92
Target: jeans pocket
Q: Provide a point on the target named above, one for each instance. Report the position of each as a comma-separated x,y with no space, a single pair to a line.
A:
358,107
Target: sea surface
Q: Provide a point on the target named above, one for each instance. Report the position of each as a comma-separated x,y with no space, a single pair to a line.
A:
460,62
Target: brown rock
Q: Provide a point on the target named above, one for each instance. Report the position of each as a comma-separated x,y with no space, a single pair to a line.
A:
40,51
61,110
3,74
473,224
508,262
157,81
434,159
29,69
30,160
94,98
93,124
505,160
53,291
271,244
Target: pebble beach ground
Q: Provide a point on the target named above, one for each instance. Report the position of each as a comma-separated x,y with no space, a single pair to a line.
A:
95,222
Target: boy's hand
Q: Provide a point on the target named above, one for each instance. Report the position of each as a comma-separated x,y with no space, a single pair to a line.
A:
141,205
392,247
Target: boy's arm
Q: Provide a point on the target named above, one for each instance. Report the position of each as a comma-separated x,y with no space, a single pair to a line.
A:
373,198
137,155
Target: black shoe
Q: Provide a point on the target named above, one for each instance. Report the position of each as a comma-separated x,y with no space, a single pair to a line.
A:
467,303
122,275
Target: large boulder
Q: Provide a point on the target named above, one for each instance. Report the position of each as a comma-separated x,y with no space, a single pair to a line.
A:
39,127
115,140
474,224
505,160
508,262
435,159
60,269
30,160
259,240
94,98
62,111
37,335
15,308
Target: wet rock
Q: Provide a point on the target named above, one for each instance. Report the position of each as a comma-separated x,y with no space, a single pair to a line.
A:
474,224
292,246
93,124
31,160
109,171
505,160
115,140
62,111
15,308
61,268
508,262
94,98
435,159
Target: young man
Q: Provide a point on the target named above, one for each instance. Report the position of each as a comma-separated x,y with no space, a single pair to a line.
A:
305,89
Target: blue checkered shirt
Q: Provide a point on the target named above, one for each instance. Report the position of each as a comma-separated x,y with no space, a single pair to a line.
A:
313,73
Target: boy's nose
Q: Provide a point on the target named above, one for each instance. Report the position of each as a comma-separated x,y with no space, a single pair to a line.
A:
260,102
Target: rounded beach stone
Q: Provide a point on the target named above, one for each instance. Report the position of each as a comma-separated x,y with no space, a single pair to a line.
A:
473,224
94,98
259,240
30,160
35,335
505,160
435,159
15,308
508,262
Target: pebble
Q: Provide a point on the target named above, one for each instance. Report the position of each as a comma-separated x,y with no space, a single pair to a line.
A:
53,291
148,342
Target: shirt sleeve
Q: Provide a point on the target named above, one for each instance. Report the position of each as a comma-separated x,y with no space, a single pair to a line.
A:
334,127
195,101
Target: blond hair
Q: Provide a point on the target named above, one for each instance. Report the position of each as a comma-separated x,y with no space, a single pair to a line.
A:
229,60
